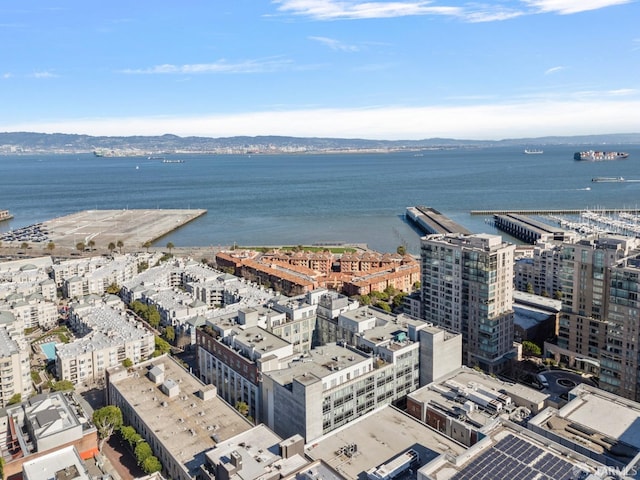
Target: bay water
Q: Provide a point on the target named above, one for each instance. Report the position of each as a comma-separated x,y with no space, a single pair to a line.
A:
291,199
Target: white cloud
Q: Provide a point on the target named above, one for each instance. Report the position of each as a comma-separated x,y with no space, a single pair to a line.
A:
221,66
43,75
566,7
469,12
551,70
525,119
335,44
622,92
339,10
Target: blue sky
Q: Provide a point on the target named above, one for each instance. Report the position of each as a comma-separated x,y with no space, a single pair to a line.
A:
403,69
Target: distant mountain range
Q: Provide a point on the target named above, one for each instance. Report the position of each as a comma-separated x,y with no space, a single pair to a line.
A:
29,142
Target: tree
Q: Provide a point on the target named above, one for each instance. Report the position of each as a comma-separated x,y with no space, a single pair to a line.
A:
127,363
530,288
169,333
15,398
120,244
151,465
398,299
24,246
170,246
51,246
383,306
62,385
142,452
417,285
401,250
390,290
91,244
111,247
531,348
113,289
161,346
107,419
139,308
127,432
147,245
242,408
153,317
80,246
364,300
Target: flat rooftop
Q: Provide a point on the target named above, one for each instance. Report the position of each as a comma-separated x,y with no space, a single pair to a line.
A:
431,221
467,376
186,425
510,452
379,437
63,464
320,362
259,449
132,227
602,422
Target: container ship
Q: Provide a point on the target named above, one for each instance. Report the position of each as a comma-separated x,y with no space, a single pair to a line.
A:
596,156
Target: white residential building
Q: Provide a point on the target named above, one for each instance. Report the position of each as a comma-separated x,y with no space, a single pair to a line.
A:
15,376
106,337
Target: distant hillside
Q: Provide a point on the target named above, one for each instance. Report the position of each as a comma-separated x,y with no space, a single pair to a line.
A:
28,142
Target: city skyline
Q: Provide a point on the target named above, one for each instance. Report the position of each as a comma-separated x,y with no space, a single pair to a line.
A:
322,68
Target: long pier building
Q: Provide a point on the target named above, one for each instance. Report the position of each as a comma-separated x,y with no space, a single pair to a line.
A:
529,230
430,221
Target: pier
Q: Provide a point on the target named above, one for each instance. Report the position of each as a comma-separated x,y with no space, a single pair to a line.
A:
98,228
566,211
430,221
527,229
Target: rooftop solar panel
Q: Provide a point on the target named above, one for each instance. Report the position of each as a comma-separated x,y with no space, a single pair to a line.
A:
516,459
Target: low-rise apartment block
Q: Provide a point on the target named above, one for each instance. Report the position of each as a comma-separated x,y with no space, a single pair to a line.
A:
44,424
15,376
336,383
180,417
296,273
233,354
61,464
92,275
253,455
106,336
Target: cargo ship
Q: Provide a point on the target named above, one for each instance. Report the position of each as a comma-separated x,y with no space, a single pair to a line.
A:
533,151
597,156
608,179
